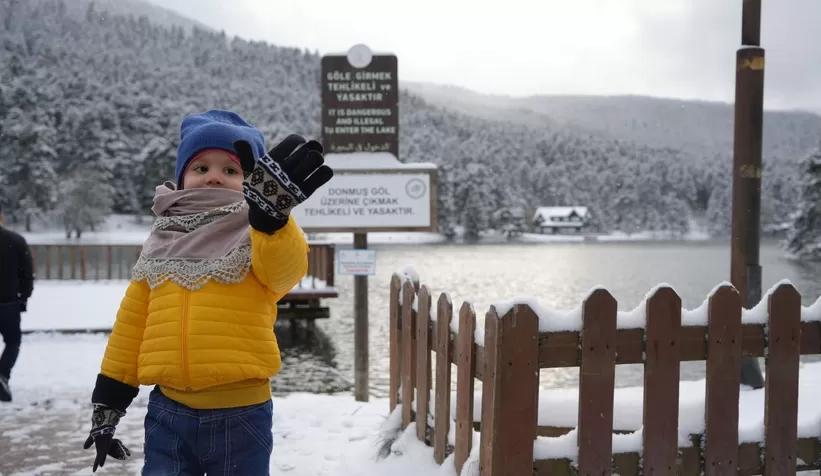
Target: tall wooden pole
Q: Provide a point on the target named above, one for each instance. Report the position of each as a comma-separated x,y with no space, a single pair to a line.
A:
745,271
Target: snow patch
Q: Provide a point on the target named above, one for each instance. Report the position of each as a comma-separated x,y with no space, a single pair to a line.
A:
552,320
559,408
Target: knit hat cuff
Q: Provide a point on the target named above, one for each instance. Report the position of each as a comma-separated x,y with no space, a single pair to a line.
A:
214,129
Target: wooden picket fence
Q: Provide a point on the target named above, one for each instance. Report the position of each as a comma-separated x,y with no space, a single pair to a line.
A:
74,261
508,362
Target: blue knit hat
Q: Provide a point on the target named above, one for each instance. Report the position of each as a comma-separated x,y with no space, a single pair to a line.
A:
215,129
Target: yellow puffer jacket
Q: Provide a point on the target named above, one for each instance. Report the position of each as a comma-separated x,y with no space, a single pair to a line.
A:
214,347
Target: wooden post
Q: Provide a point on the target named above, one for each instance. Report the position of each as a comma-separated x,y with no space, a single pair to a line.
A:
745,270
109,257
83,257
360,333
48,261
331,255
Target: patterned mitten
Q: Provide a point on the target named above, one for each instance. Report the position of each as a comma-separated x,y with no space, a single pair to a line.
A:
281,179
104,420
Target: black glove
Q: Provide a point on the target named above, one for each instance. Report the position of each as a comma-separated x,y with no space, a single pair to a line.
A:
281,179
104,420
110,398
23,306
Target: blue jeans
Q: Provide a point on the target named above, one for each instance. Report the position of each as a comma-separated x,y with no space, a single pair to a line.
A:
182,441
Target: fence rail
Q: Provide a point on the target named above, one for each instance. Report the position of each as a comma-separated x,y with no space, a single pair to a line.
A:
115,262
507,354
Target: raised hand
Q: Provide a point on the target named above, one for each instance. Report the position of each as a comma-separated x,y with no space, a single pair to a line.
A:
281,179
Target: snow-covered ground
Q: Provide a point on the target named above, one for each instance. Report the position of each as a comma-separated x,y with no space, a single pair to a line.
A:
83,305
62,305
42,431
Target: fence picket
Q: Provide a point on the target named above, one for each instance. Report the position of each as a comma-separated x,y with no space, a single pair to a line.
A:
465,384
723,382
510,392
395,341
596,384
408,352
423,348
441,419
661,382
781,385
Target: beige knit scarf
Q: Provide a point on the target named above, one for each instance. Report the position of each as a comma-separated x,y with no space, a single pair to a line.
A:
200,234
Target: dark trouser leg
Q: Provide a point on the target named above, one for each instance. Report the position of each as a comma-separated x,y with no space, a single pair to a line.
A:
12,336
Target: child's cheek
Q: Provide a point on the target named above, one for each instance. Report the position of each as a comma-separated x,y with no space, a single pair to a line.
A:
235,183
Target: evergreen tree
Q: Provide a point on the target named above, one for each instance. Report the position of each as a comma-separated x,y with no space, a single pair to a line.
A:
804,237
720,211
29,176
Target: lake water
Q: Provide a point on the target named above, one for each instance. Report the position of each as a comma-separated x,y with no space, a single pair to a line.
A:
558,274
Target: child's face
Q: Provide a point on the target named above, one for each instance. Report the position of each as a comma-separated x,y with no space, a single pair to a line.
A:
213,169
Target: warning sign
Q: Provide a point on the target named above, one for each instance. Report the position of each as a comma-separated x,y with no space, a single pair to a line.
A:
369,201
360,104
356,262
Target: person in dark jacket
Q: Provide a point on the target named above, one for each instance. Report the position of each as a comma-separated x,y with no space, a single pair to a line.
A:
16,286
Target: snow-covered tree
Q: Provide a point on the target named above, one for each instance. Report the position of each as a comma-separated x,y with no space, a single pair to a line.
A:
804,236
29,178
720,211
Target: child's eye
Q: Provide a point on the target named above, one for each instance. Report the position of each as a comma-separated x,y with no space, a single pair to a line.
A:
201,169
231,171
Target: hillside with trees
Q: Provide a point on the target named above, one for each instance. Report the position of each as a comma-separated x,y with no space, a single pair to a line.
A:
90,106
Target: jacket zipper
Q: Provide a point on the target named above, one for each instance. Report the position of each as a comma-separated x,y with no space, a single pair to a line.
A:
184,340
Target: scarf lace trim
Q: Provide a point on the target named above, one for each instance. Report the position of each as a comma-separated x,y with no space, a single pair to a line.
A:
194,273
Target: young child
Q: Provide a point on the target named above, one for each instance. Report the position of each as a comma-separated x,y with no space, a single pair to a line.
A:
197,320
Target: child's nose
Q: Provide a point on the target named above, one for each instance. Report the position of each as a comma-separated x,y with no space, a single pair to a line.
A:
213,178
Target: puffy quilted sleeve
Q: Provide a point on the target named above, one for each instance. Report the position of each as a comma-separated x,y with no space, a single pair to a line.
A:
279,260
120,359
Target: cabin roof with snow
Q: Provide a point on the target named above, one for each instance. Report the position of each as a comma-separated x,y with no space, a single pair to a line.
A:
555,215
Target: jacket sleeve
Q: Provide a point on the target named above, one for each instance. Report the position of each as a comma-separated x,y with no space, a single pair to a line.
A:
25,272
117,383
279,260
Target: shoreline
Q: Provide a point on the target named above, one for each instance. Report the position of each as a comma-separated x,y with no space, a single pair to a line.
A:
387,239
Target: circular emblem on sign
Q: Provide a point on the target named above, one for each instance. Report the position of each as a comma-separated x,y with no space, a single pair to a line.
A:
359,56
415,188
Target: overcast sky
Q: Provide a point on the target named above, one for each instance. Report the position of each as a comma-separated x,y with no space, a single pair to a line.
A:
669,48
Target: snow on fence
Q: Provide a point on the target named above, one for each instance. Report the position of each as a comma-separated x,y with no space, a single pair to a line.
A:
115,262
668,427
